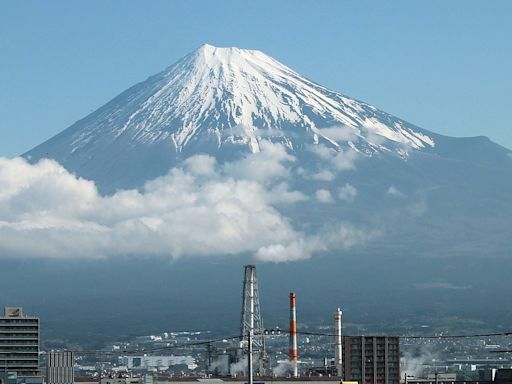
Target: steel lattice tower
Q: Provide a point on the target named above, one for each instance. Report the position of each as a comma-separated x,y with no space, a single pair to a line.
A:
251,319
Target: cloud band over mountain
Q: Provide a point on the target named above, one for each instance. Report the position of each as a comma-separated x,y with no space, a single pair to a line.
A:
197,210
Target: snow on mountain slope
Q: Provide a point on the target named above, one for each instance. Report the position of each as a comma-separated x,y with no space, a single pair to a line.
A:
229,97
239,96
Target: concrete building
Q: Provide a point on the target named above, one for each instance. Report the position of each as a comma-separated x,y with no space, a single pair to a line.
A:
503,376
59,367
19,343
13,378
371,359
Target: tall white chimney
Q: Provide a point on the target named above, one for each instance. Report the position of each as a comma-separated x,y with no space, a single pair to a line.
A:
338,354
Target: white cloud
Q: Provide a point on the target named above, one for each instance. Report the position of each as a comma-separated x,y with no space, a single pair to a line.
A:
348,193
345,235
48,212
323,196
265,166
198,210
342,160
201,165
395,192
297,250
280,194
341,236
339,133
374,137
323,175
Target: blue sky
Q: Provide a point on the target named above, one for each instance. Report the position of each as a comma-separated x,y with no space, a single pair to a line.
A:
442,65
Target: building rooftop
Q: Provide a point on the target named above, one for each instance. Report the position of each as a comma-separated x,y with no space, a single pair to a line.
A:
15,313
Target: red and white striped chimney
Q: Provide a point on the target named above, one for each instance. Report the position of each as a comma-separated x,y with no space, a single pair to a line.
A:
293,335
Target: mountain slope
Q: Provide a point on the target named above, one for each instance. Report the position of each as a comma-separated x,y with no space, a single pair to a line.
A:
226,102
221,101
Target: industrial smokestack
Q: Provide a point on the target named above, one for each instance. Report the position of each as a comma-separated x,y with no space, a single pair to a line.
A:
338,356
293,335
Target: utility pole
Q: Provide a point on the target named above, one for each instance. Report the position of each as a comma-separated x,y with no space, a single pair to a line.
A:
249,358
251,326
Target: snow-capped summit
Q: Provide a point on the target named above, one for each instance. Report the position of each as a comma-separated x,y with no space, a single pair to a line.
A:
239,95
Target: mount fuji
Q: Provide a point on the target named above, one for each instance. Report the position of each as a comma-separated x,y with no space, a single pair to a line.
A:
225,102
437,210
229,103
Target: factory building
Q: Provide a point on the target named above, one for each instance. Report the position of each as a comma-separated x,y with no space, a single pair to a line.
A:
121,380
146,362
371,359
219,361
19,343
59,367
